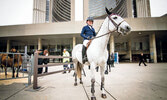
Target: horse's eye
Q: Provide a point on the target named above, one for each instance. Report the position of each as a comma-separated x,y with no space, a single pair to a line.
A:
115,18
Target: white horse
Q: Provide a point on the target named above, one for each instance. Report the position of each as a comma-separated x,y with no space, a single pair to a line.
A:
97,53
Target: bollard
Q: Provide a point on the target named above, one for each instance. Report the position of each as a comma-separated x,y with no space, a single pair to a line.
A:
35,71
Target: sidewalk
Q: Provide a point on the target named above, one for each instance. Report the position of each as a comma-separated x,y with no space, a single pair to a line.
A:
126,81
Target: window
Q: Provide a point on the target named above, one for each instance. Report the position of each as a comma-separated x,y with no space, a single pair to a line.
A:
31,47
134,8
47,10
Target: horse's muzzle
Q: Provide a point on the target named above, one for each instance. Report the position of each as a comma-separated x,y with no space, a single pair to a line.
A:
125,31
128,29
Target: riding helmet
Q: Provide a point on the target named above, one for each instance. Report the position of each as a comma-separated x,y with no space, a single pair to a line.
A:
90,19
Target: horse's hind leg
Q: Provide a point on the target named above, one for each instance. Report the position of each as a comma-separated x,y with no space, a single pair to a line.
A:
13,72
5,71
81,82
75,74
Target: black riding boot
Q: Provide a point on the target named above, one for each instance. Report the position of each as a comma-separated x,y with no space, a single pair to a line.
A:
84,58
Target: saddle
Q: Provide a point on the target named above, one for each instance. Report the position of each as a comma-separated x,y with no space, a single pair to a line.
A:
88,44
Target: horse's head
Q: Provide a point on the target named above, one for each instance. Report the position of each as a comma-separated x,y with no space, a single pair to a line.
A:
120,24
13,50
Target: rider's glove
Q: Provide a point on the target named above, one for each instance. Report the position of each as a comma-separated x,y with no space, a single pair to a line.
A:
92,37
88,38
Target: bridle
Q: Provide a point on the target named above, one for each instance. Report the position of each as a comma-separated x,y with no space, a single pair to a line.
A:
115,24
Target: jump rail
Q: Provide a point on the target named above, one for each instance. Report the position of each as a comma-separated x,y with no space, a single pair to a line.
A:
36,66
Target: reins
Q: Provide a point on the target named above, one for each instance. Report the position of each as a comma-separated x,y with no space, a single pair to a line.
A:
103,35
108,27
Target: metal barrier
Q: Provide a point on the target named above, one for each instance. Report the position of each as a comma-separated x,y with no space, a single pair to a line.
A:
36,66
26,67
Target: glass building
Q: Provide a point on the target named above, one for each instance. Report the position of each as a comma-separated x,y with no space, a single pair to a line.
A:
54,28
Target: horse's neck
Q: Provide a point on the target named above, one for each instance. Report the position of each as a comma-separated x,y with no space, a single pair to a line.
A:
102,41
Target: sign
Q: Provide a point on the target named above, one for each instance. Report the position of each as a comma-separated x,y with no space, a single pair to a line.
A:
116,57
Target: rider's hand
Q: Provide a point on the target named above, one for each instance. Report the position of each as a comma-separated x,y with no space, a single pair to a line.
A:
88,37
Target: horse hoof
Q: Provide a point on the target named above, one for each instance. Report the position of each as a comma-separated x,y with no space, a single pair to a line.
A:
106,72
93,98
75,84
81,82
103,96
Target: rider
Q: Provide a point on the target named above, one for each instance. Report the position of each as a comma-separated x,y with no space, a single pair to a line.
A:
88,32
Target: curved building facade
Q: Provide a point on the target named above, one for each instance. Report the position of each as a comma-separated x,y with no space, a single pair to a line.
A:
97,7
64,10
61,10
116,6
124,8
121,8
39,11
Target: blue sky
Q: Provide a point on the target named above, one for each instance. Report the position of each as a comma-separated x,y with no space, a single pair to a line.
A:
21,11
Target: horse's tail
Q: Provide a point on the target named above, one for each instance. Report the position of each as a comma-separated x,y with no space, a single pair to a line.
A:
79,69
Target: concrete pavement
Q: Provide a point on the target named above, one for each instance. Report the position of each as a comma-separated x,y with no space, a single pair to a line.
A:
126,81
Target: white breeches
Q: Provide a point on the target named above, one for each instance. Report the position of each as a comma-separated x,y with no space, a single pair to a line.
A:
85,42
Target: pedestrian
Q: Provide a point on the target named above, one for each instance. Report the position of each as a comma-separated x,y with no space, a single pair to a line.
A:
108,64
88,32
112,60
142,60
40,60
46,60
65,60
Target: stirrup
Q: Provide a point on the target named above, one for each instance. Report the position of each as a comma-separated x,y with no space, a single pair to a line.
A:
85,59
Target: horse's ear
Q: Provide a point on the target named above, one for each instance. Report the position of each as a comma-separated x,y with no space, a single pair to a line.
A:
108,12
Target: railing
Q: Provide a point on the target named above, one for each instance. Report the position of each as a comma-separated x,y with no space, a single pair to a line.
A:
36,66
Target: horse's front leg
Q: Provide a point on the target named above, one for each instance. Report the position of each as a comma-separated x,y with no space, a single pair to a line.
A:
18,71
110,68
103,95
5,70
13,69
106,71
93,66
